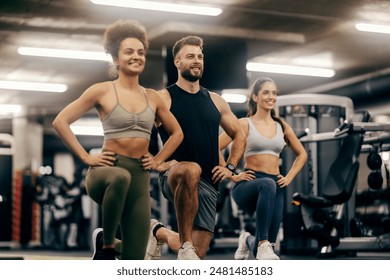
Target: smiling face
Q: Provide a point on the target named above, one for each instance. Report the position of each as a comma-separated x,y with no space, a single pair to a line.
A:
189,62
131,57
266,96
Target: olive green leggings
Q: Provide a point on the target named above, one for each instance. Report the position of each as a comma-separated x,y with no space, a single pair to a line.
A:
123,191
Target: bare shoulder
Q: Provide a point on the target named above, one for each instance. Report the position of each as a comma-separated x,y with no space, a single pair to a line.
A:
287,128
151,92
221,104
243,121
165,96
215,96
163,93
244,124
98,90
153,95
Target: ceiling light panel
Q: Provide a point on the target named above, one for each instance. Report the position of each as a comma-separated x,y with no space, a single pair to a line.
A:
163,7
376,28
33,86
289,69
62,53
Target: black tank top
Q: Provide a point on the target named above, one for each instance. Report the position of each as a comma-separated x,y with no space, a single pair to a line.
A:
199,119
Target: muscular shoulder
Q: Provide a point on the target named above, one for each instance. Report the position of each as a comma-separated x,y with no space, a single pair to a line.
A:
244,124
219,102
165,96
154,96
163,93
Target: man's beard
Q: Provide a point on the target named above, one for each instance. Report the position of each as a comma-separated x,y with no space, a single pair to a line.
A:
186,74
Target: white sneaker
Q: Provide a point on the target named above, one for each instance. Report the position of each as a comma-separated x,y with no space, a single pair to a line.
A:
153,250
242,252
97,242
265,252
187,252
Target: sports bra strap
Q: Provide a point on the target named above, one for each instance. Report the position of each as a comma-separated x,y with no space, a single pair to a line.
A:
116,94
142,89
144,92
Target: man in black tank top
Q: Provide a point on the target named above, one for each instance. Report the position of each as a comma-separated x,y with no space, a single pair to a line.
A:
190,178
199,119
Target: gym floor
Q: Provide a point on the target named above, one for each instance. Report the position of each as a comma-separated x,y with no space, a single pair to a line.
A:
219,254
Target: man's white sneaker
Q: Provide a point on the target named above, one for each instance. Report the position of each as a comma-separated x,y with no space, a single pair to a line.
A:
187,252
153,250
265,252
242,252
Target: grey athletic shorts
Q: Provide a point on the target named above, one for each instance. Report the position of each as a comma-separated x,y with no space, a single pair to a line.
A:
207,209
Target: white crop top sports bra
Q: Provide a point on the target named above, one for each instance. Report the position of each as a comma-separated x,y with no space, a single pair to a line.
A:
258,144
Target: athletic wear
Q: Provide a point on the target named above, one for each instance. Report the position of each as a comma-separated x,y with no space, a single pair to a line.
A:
124,194
258,144
263,196
187,252
242,252
207,198
97,242
120,123
199,119
153,251
105,254
266,252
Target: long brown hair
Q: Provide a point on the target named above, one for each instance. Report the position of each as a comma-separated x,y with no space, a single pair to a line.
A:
252,105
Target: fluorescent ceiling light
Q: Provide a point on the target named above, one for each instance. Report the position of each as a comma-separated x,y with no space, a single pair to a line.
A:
373,28
292,70
385,156
163,7
61,53
32,86
10,109
87,130
234,98
91,127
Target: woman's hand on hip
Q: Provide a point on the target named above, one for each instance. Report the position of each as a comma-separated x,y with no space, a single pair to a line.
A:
283,181
102,159
247,175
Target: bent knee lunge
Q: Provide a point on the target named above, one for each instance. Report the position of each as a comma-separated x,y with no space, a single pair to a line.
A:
185,173
202,239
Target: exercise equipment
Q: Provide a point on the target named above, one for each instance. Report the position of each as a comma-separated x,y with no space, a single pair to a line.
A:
7,150
374,161
319,113
327,218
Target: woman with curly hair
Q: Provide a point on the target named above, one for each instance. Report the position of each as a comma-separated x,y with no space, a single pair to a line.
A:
118,178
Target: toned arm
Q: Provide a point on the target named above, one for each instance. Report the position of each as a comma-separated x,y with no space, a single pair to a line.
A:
70,114
298,149
233,129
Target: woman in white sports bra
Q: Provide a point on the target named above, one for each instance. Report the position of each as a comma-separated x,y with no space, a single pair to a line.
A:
261,187
118,178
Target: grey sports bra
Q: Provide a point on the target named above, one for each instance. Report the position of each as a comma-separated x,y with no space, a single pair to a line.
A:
120,123
258,144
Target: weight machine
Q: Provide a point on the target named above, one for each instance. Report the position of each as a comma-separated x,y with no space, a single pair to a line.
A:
7,151
324,215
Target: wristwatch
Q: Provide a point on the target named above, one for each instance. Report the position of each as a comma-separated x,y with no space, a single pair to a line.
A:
231,167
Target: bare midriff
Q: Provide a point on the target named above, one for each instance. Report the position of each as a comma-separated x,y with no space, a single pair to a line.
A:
131,147
263,163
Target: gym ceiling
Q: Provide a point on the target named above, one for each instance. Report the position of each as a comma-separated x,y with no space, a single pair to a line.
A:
319,33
